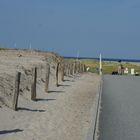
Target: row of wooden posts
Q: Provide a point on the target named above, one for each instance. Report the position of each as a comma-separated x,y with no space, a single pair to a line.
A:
62,68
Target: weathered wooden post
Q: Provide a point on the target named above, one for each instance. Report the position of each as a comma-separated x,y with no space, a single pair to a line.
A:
82,68
85,69
57,73
78,67
71,68
33,86
47,78
62,71
82,65
16,91
74,67
67,69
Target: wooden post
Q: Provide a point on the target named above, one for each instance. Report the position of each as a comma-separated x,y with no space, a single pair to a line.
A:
16,92
77,67
57,73
67,69
33,86
71,68
85,69
80,67
74,67
47,78
62,71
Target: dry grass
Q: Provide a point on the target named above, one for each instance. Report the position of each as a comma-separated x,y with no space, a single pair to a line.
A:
109,66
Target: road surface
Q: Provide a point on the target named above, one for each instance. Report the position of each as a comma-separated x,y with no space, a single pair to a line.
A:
120,113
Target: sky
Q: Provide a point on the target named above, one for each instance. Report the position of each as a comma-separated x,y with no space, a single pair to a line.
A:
90,27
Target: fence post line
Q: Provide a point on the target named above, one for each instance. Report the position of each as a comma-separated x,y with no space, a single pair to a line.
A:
47,77
33,86
16,91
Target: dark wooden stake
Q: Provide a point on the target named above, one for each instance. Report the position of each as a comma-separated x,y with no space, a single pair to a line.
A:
47,77
16,91
57,73
33,86
71,69
62,72
77,64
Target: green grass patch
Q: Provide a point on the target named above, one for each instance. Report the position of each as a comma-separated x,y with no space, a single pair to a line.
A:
109,66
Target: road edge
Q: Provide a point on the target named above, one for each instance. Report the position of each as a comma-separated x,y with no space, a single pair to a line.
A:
93,131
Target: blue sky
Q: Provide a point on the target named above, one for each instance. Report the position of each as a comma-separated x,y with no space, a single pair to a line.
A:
111,27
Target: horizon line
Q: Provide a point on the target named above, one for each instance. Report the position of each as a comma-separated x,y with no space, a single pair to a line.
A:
104,59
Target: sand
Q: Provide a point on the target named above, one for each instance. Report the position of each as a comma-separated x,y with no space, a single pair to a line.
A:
65,113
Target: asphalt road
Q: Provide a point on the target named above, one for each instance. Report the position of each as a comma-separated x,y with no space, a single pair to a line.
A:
120,113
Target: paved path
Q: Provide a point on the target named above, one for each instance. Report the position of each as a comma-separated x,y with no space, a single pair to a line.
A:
120,117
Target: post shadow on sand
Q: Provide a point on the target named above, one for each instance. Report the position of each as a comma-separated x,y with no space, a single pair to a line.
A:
69,80
61,85
3,132
32,110
39,99
53,91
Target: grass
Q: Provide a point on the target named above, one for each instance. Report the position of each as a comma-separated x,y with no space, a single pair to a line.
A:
109,66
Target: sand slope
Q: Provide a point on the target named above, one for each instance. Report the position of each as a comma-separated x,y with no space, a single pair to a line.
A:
62,114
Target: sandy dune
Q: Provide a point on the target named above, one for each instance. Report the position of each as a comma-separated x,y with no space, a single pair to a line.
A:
65,113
